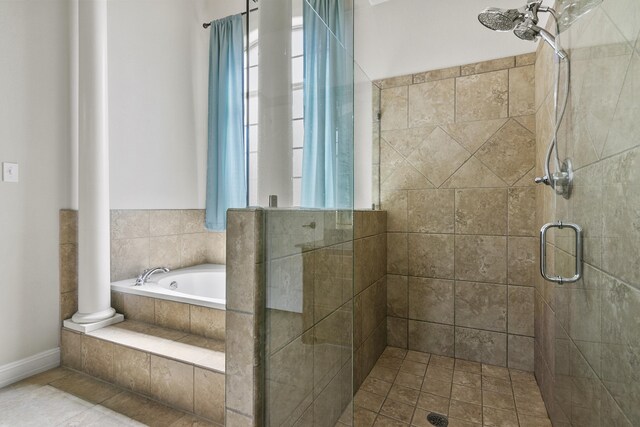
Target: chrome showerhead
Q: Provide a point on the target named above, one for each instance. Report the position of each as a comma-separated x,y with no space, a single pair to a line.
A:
527,30
497,19
523,22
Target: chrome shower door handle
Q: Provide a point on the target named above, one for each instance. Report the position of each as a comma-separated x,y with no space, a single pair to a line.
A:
543,252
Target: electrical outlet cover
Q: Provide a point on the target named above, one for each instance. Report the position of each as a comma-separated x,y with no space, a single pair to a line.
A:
10,172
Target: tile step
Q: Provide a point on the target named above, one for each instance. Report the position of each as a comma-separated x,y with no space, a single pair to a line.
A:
180,346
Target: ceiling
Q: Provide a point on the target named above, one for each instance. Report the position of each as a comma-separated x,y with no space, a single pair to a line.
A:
396,37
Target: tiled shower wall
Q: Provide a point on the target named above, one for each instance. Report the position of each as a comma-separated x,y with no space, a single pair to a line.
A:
310,348
140,239
337,269
587,337
457,156
370,292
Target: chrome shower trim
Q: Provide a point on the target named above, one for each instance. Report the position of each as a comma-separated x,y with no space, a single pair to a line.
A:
546,36
579,252
524,23
561,180
527,30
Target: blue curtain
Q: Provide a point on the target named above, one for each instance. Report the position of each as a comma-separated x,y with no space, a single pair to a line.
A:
327,165
226,157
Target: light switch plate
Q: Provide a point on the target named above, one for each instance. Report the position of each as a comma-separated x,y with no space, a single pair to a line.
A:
10,172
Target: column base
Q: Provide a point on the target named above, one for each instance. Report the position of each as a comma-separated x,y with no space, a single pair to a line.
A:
89,327
93,317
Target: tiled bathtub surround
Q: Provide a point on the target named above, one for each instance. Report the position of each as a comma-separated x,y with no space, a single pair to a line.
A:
308,264
457,153
587,337
188,386
142,239
192,381
194,319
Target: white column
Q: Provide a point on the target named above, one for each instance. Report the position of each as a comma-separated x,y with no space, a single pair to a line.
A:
94,284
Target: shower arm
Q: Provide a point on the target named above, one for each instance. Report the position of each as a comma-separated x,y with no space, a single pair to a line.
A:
547,37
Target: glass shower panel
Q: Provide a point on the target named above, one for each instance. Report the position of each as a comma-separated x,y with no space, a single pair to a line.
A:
308,335
587,331
364,94
376,180
309,317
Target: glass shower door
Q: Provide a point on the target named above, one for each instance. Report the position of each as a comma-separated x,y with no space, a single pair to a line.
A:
308,330
588,340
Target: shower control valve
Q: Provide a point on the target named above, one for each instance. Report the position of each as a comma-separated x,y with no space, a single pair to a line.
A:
560,181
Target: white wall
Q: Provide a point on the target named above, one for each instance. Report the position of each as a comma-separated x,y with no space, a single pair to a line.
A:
158,83
407,36
158,62
34,131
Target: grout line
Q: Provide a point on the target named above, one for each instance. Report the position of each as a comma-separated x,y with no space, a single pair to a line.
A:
455,96
482,394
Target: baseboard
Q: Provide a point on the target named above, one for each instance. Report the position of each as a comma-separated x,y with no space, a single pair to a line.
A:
16,371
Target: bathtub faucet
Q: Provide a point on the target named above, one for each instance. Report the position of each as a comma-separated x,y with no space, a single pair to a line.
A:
142,279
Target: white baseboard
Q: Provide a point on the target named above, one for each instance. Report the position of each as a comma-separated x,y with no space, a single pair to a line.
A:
16,371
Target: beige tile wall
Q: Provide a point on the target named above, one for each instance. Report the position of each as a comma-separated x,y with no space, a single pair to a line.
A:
143,239
245,318
587,343
370,296
457,156
140,239
181,385
68,263
333,265
308,361
194,319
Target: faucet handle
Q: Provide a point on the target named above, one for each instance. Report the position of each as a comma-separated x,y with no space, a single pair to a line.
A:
542,180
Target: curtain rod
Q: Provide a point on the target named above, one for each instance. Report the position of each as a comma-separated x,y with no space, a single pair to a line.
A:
208,24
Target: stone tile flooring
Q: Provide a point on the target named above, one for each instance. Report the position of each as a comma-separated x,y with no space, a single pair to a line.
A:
62,397
405,386
401,390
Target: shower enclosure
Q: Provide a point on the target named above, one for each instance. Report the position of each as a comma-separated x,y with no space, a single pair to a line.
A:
587,341
307,352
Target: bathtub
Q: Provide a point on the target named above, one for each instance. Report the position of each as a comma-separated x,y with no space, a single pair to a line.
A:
203,285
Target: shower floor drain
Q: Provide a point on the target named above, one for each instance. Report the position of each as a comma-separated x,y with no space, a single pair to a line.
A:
437,420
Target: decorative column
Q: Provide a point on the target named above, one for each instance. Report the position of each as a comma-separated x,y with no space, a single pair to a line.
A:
94,276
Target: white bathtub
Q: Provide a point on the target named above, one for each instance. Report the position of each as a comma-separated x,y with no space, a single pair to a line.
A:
203,285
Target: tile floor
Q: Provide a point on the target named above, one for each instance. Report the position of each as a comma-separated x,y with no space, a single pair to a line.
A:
405,386
62,397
